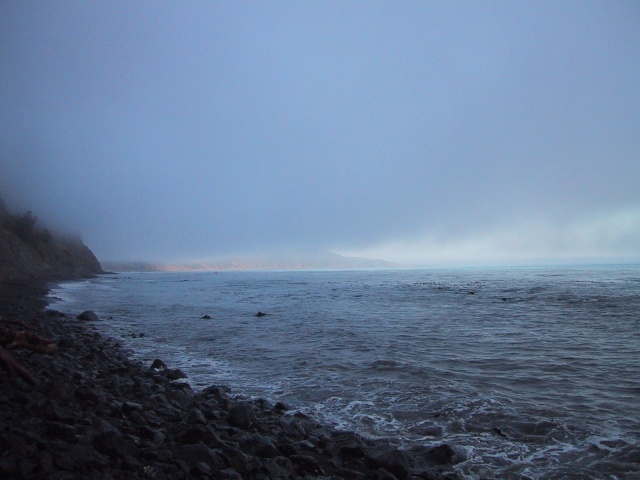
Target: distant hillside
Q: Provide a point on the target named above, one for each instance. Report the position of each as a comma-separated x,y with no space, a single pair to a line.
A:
281,261
28,251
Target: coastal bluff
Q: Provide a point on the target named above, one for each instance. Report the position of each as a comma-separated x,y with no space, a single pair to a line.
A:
29,252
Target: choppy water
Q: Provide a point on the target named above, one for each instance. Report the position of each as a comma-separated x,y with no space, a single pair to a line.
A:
532,373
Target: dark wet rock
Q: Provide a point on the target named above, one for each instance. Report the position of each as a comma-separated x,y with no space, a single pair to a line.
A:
200,453
349,474
292,428
197,417
279,467
306,465
304,445
498,432
59,413
45,463
79,457
287,449
158,364
263,404
174,374
99,415
259,445
89,316
61,431
129,407
242,416
201,468
112,444
101,426
229,474
156,436
191,434
181,385
88,394
389,458
347,443
441,455
382,474
240,461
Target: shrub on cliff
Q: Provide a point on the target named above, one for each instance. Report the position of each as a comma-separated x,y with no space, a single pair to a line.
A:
24,226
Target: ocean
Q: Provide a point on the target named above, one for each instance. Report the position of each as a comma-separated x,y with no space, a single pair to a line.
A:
527,372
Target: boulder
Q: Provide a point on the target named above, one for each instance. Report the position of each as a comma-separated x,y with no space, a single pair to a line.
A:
347,443
229,474
61,431
88,316
175,374
198,452
192,434
158,364
77,456
112,444
242,416
220,394
441,455
129,407
279,467
390,459
259,445
306,465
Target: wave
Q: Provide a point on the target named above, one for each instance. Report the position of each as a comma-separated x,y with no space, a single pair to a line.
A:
538,385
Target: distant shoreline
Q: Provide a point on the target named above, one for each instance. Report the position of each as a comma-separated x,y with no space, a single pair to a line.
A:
324,262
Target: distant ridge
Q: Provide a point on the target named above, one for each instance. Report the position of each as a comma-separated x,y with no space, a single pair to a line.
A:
302,261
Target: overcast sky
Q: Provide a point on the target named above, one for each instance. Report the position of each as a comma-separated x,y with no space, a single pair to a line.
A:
415,131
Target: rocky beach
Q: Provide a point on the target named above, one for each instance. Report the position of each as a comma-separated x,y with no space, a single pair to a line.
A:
93,413
74,405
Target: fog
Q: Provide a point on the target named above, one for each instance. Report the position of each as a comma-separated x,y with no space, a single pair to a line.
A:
419,132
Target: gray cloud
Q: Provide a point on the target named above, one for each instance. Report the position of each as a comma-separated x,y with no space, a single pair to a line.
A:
192,130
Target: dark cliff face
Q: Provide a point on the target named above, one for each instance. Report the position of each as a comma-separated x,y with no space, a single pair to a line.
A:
27,252
58,258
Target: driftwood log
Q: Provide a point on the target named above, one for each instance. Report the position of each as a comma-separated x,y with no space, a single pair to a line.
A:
11,339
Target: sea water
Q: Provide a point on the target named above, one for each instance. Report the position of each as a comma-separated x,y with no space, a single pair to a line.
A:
528,372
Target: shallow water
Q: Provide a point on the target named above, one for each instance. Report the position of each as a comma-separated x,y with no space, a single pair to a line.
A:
531,373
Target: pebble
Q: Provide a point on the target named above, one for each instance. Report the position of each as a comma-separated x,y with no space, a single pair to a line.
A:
101,415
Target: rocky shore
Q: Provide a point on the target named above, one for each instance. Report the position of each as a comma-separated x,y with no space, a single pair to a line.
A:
96,414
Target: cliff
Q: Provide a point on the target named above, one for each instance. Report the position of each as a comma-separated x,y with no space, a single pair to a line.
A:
30,252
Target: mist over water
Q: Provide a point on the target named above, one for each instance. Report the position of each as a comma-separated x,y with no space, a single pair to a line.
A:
422,133
529,373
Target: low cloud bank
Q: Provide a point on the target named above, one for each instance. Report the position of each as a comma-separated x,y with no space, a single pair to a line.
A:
606,237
